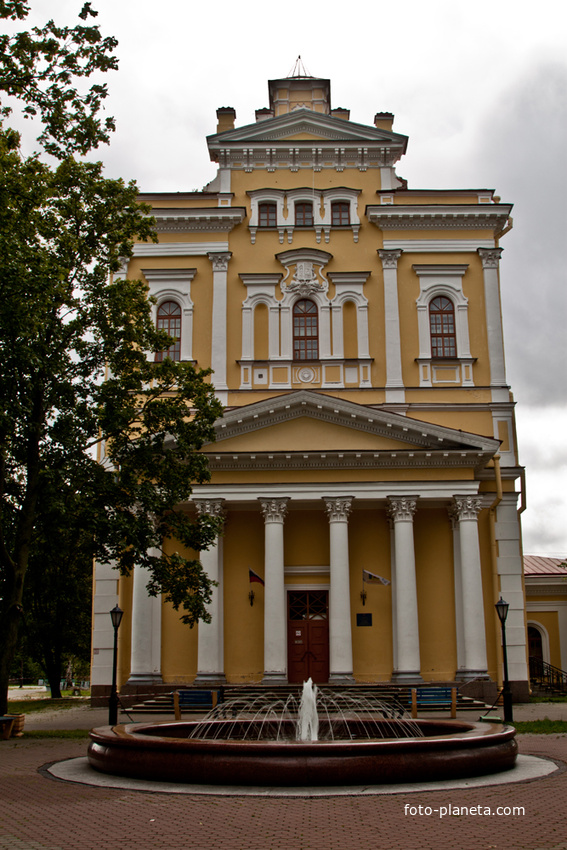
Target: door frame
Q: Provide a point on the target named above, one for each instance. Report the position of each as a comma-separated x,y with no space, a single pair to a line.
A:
304,586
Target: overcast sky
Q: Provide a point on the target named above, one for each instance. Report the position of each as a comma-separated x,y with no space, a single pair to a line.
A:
481,91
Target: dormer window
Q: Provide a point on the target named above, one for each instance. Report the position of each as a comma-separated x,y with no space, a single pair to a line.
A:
303,214
340,213
267,215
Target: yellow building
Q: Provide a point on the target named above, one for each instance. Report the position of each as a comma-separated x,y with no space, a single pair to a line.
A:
355,333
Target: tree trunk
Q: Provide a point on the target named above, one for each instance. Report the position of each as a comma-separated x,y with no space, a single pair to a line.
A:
8,642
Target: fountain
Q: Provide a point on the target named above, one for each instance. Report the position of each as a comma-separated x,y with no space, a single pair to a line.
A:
330,739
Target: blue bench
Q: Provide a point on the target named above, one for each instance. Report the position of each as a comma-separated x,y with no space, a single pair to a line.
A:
191,699
434,696
6,724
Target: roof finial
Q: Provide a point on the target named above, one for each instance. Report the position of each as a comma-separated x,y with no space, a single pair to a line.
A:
299,69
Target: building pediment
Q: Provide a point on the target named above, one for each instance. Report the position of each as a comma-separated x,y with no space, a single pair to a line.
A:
312,124
302,426
287,141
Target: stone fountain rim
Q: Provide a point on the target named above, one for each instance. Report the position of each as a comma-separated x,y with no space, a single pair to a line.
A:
460,733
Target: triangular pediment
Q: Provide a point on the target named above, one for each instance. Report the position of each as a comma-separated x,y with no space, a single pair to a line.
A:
309,126
307,421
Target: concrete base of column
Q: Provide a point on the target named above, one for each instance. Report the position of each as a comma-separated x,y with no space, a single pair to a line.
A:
210,679
468,675
274,679
341,679
145,679
408,676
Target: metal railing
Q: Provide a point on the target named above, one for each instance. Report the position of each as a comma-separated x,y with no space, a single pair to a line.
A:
547,675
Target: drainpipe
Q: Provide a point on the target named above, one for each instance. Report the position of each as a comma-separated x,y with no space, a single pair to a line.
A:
494,555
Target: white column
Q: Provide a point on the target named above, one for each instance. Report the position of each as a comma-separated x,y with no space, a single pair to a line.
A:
145,657
324,331
394,381
275,615
406,629
210,654
466,511
220,322
490,261
340,627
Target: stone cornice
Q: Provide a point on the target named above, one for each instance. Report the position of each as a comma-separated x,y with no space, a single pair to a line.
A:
343,460
439,216
213,219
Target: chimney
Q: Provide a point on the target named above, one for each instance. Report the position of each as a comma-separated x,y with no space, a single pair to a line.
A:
264,114
226,116
384,121
339,112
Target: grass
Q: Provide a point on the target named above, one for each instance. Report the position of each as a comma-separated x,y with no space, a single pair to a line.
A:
541,727
56,733
33,706
548,699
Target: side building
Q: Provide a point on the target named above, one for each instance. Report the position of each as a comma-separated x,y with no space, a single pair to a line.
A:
366,466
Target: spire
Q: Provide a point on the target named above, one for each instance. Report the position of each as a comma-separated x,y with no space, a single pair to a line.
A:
299,69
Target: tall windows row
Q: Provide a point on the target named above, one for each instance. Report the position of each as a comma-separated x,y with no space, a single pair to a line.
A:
268,214
306,329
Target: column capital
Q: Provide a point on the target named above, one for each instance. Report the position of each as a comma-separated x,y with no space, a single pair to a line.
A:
402,508
466,507
490,257
338,508
390,257
274,510
220,260
211,507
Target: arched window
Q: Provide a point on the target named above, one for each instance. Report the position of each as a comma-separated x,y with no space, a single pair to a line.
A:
340,213
442,327
304,214
267,215
169,320
305,330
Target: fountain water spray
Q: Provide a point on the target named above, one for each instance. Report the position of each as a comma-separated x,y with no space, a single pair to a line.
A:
308,719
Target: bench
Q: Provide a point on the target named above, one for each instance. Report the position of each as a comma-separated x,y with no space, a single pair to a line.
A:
193,700
433,697
6,724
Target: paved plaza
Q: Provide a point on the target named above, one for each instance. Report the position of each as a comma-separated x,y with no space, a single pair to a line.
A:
39,812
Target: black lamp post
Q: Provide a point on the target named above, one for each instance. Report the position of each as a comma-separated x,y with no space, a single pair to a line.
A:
502,611
116,617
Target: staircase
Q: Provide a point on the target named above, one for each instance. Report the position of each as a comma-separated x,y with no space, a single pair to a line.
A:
545,679
245,694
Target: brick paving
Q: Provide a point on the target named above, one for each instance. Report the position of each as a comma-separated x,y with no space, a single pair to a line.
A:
41,813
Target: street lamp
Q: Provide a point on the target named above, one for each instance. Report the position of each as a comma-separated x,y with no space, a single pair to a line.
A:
116,617
502,611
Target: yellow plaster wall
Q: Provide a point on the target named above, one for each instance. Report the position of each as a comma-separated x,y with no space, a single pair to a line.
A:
243,624
435,594
179,642
369,548
125,586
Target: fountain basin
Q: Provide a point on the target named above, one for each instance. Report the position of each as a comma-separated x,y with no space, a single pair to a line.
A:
164,752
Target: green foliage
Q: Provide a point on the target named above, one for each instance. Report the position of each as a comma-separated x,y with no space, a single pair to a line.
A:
541,727
74,343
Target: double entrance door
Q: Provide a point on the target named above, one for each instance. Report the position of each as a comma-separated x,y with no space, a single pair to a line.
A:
308,635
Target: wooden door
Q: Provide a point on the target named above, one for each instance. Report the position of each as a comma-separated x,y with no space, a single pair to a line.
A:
308,635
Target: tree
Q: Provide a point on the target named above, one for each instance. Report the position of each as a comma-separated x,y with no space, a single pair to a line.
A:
74,343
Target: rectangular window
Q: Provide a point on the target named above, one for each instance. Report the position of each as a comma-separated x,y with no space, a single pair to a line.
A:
267,215
304,214
340,213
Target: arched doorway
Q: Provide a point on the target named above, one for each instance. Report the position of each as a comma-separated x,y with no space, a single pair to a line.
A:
535,651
